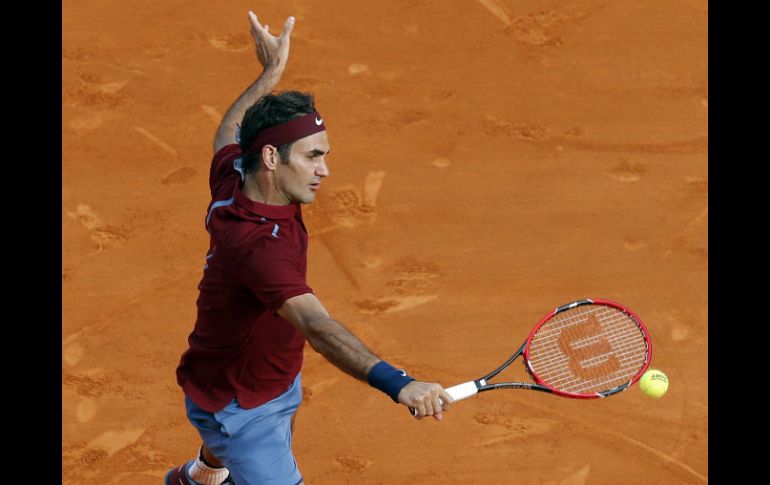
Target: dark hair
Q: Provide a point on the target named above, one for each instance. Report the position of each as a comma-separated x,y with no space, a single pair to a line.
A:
271,110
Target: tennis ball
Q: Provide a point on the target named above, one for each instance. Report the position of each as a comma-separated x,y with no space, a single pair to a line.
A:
654,383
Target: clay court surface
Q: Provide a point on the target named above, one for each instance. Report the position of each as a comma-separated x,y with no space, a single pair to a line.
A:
491,159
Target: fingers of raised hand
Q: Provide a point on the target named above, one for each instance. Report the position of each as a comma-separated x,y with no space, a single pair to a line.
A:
260,32
255,26
288,27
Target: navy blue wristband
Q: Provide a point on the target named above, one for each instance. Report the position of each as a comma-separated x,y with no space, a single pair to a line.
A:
388,379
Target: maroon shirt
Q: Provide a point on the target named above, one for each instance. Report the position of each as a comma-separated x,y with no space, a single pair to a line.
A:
240,348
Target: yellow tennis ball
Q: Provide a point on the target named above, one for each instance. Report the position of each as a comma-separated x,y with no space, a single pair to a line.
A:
653,383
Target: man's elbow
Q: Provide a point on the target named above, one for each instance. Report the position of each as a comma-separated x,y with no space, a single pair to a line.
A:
225,136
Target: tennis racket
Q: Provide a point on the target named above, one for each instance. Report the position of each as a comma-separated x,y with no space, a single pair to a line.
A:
586,349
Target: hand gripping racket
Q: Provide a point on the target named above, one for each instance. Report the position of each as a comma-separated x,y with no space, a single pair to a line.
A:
584,350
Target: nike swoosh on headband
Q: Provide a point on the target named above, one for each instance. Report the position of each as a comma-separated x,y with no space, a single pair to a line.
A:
288,132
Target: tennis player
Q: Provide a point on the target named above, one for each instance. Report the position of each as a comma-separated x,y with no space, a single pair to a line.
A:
241,373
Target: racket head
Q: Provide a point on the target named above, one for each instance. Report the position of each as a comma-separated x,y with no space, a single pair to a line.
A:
588,349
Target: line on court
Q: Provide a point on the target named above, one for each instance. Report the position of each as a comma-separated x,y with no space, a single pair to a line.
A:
633,441
496,10
659,453
156,140
212,113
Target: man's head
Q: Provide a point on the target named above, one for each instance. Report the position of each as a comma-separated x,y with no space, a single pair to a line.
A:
297,166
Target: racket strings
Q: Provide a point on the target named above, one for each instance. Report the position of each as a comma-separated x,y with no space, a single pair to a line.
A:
588,349
601,369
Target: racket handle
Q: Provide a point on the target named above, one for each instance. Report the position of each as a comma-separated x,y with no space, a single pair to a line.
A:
463,391
458,392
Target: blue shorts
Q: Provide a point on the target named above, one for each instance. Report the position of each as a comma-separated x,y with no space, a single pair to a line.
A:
254,444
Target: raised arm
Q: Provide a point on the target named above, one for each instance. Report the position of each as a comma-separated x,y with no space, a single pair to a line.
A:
273,53
343,349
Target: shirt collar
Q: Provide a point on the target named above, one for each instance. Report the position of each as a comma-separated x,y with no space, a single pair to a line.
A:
266,210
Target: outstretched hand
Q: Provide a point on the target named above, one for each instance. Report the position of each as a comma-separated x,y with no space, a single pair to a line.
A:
272,52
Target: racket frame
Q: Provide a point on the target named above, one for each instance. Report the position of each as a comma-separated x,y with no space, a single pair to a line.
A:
482,384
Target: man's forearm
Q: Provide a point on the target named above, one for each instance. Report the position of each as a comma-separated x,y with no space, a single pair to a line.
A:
340,347
227,127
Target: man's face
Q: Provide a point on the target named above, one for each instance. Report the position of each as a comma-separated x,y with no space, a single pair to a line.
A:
299,180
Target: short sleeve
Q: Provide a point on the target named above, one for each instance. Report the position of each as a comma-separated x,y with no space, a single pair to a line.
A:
222,164
271,272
